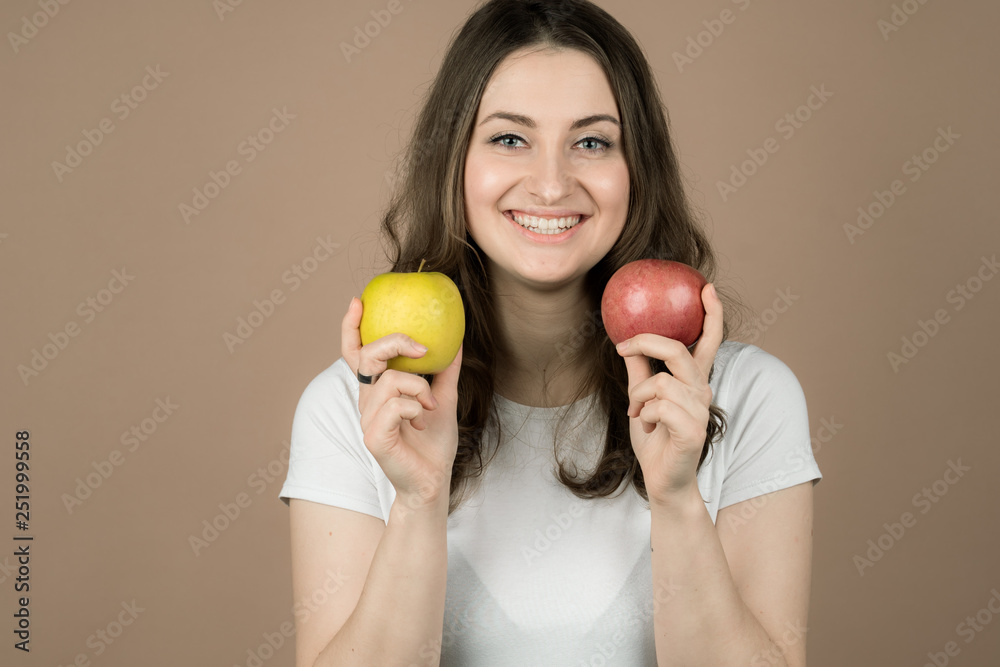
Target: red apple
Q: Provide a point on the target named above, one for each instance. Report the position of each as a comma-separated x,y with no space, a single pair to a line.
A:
656,296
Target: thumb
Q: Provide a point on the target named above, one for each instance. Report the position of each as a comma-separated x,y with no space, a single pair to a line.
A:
445,384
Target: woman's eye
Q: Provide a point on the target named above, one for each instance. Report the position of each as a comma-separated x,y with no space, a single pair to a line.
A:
599,145
600,142
502,139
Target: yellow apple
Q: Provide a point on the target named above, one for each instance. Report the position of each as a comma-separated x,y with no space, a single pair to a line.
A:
427,307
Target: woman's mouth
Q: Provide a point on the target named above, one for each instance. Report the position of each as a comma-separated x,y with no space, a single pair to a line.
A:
545,226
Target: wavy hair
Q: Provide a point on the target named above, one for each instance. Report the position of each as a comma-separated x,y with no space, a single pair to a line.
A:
425,220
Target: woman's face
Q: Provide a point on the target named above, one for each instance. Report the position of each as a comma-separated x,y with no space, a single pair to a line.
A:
540,146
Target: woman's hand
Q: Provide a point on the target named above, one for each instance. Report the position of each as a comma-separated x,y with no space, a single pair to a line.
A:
410,427
669,414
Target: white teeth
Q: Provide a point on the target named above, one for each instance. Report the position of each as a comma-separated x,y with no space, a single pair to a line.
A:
544,225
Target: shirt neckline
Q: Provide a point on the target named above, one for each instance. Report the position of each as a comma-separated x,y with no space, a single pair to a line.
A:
538,412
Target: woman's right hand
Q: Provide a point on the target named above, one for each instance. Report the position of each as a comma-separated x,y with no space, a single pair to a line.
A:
410,427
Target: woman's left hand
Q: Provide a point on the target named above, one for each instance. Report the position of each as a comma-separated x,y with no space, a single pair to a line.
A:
669,414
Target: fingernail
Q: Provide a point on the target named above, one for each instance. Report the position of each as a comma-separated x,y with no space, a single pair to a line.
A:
622,346
419,348
712,286
436,404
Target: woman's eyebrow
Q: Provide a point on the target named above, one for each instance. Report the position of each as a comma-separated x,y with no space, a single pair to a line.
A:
528,122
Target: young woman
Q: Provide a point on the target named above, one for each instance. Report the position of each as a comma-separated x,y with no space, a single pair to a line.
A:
549,499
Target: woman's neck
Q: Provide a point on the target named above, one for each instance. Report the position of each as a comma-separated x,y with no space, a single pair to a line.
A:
544,335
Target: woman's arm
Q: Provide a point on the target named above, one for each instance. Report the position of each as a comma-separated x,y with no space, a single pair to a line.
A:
750,609
736,592
399,617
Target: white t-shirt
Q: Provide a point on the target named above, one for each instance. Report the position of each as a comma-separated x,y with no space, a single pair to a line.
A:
537,576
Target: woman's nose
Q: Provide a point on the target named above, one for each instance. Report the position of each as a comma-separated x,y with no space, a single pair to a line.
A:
550,176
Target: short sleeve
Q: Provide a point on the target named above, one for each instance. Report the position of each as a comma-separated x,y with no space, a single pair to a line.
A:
767,437
328,461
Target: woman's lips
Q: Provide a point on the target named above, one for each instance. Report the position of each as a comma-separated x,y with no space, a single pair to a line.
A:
546,238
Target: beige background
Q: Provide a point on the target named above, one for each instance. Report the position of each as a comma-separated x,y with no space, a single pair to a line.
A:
327,174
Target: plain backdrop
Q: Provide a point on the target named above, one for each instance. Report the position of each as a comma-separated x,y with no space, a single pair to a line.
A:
94,184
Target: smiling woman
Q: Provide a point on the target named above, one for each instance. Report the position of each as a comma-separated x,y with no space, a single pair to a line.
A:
530,505
546,191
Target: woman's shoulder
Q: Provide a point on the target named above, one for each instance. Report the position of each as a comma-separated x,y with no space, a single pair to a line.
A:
327,415
739,367
334,387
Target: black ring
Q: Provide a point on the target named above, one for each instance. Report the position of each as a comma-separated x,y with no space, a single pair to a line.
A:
372,379
368,379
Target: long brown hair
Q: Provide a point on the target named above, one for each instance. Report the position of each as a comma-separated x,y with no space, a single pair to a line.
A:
425,220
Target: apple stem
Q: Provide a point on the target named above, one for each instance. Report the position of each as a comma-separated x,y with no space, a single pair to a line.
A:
421,265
